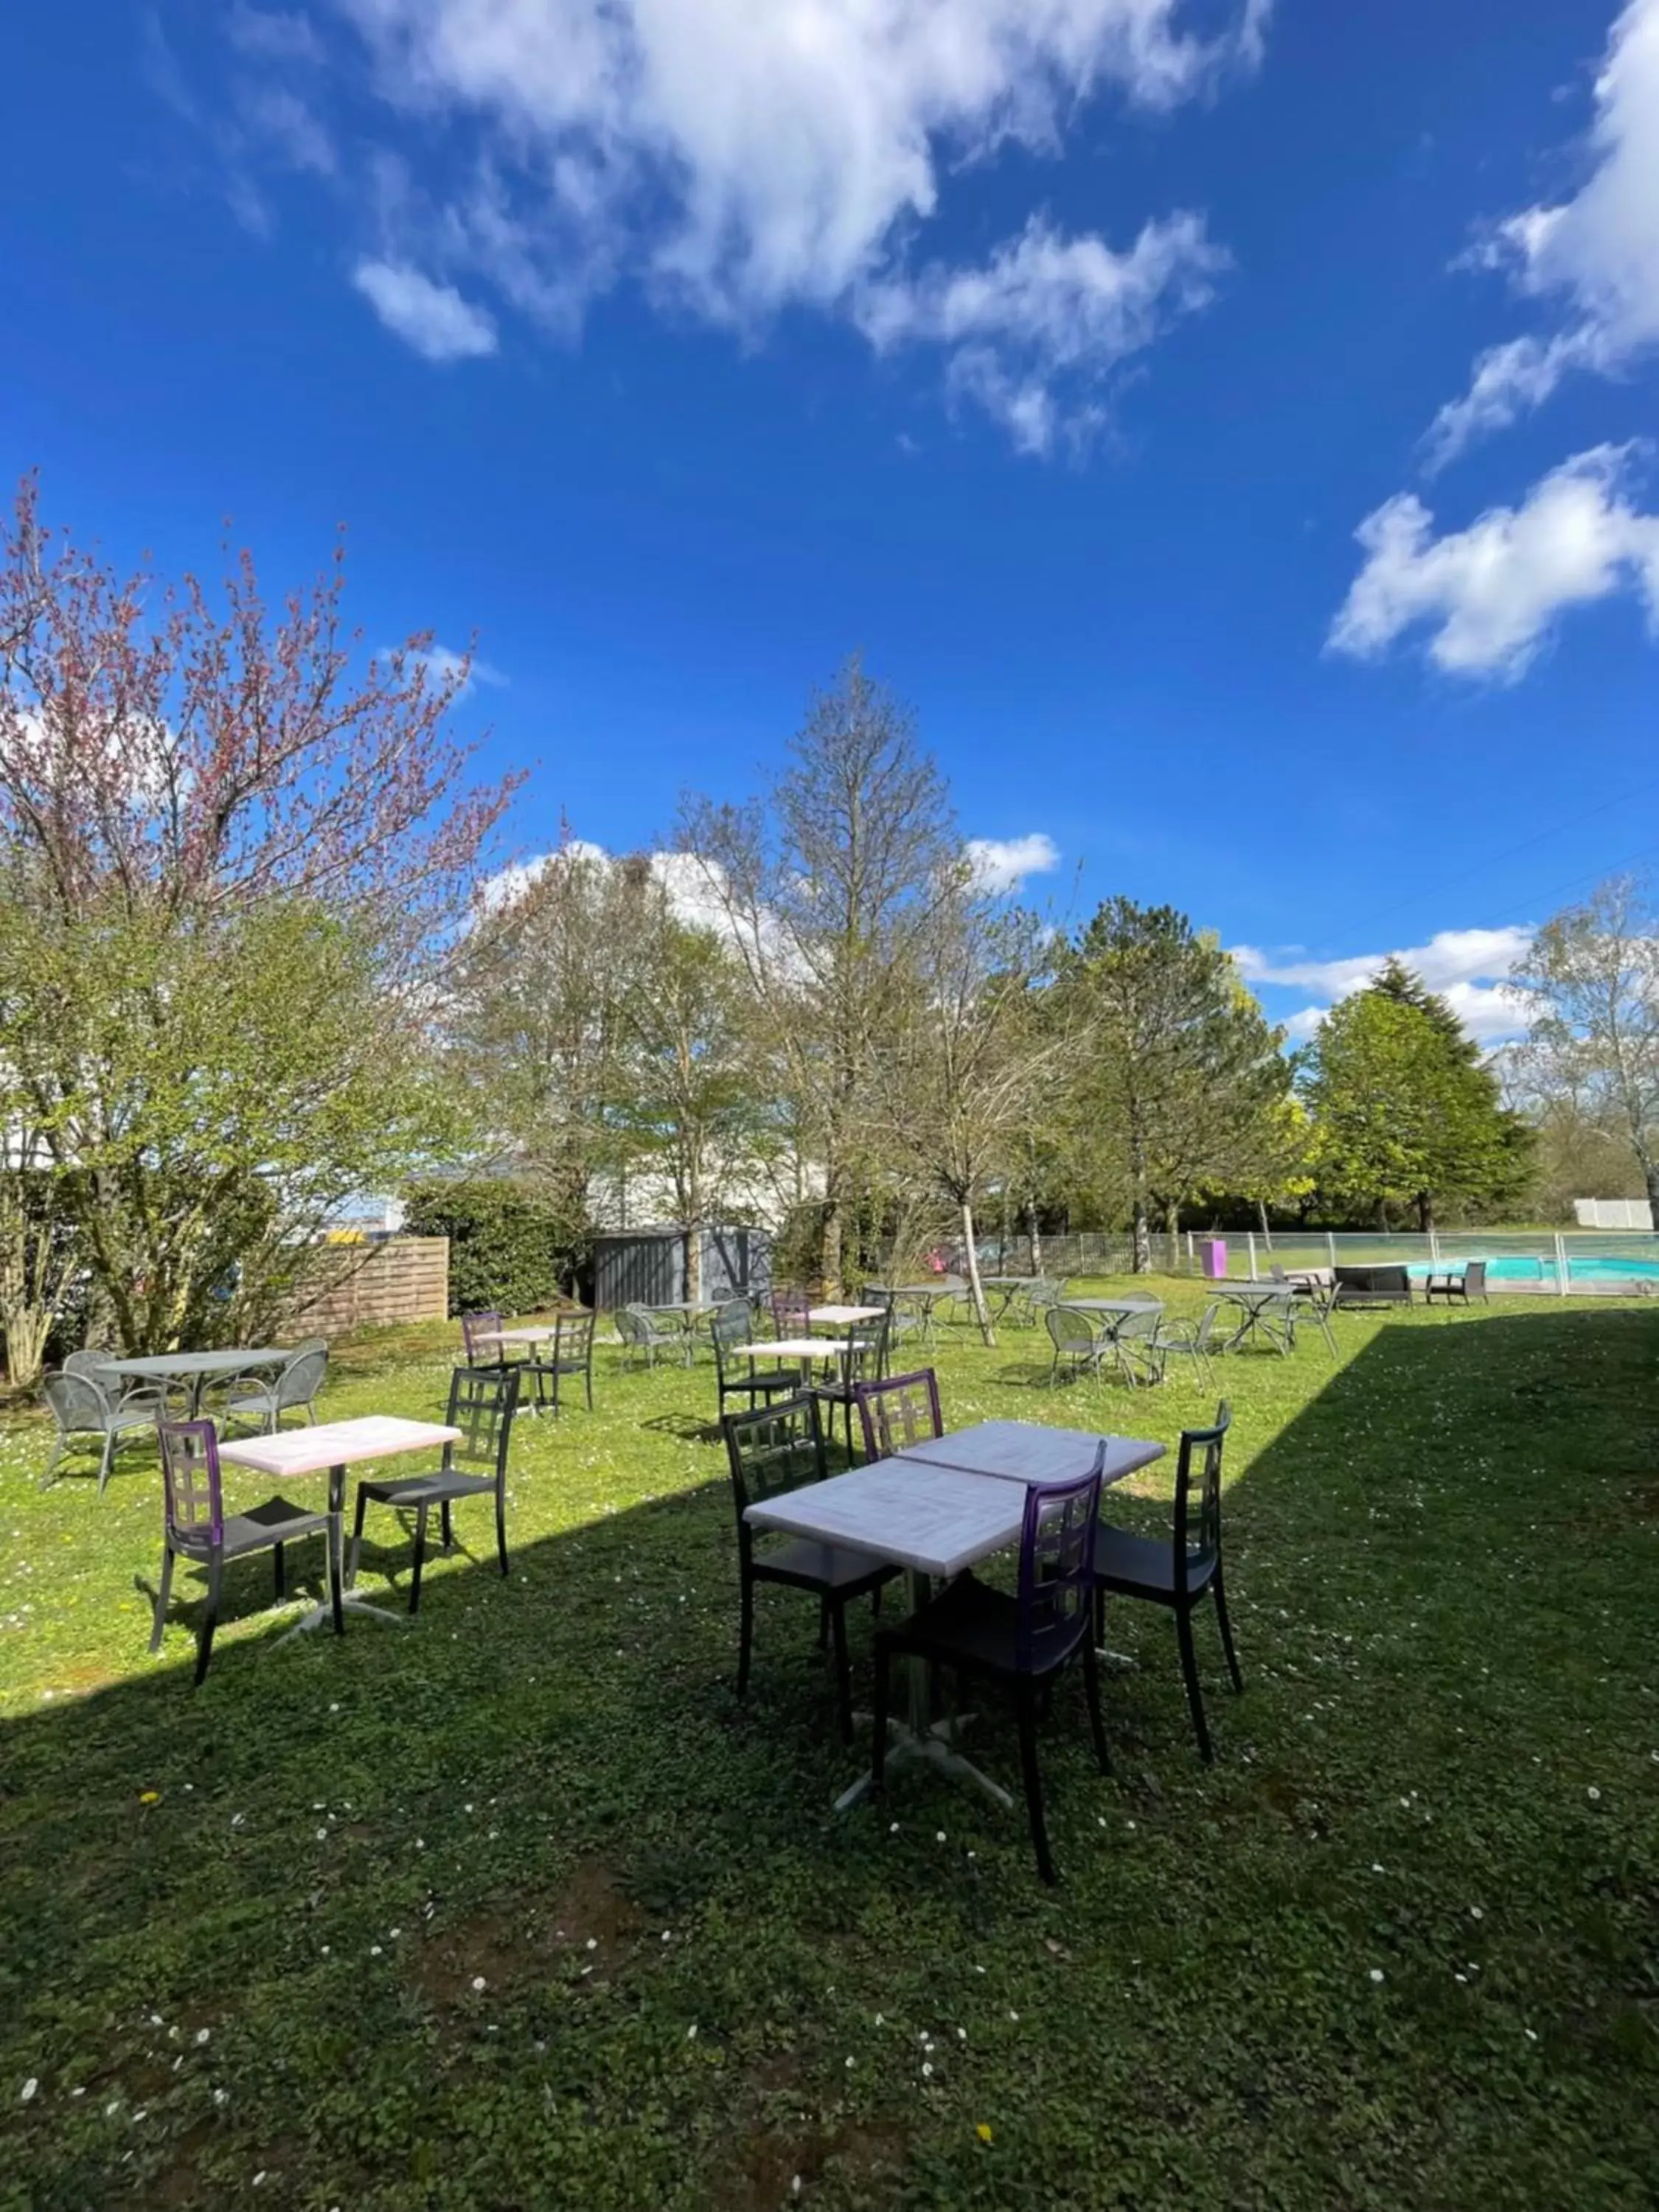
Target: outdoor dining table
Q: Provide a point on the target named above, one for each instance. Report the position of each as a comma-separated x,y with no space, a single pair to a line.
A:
1267,1311
197,1369
842,1317
936,1508
330,1447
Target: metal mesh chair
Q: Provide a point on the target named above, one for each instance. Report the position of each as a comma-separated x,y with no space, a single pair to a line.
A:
864,1361
197,1526
901,1410
1023,1639
772,1449
482,1404
82,1407
644,1336
1180,1571
1184,1340
266,1399
1080,1347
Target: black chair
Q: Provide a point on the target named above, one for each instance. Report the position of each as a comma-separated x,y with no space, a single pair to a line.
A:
771,1449
571,1353
864,1361
899,1410
195,1526
1023,1639
738,1377
1179,1570
1461,1286
482,1401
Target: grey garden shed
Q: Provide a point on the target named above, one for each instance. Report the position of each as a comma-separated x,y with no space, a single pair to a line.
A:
648,1267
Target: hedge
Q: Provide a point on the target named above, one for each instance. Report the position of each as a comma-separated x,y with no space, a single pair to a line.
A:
506,1249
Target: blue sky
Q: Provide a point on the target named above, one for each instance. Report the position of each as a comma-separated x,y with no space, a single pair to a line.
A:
1222,422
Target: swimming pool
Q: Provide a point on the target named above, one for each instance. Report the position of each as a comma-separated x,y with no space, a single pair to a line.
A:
1512,1269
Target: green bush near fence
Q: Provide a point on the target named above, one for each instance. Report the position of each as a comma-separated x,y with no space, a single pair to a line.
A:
508,1249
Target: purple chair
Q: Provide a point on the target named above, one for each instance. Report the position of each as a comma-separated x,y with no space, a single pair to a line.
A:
195,1527
792,1314
1024,1639
903,1410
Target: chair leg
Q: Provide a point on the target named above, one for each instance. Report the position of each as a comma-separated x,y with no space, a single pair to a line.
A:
51,1475
278,1573
1091,1691
746,1634
164,1590
1225,1626
420,1558
103,1464
843,1672
446,1526
501,1529
357,1538
334,1541
209,1619
1028,1762
878,1755
1194,1690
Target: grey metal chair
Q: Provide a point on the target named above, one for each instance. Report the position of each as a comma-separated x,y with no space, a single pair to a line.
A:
1132,1337
864,1361
264,1399
643,1337
197,1526
482,1401
571,1353
1080,1346
1185,1339
737,1374
83,1407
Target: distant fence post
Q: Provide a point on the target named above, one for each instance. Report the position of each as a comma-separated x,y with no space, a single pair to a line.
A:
1250,1234
1434,1247
1330,1246
1562,1264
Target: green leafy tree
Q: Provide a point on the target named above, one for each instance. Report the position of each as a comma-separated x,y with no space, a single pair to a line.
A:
1179,1069
1406,1115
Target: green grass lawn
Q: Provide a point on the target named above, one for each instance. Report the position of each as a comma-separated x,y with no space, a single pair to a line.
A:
517,1907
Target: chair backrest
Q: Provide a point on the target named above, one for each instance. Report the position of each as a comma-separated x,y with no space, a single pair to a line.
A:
86,1362
194,1497
1139,1321
1206,1326
735,1315
774,1448
1056,1567
482,1401
1071,1331
1277,1275
573,1339
1046,1291
1198,1499
900,1410
304,1376
792,1312
77,1402
628,1326
1474,1279
866,1350
481,1333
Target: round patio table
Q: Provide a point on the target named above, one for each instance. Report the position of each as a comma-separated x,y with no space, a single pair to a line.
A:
1268,1312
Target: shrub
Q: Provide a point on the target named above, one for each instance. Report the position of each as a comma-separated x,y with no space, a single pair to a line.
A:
506,1248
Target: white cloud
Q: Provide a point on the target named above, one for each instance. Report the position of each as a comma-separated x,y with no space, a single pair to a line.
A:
1046,314
1490,594
432,318
737,159
273,34
443,662
1467,967
1002,864
1598,252
283,122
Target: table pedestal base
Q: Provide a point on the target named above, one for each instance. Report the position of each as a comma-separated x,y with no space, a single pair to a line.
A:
322,1616
933,1747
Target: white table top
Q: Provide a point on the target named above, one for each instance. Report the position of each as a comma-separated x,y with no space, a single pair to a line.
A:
847,1315
789,1347
934,1520
942,1286
1247,1290
1115,1305
336,1443
198,1363
1032,1451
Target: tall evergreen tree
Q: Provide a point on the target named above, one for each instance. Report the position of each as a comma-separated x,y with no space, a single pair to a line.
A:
1405,1113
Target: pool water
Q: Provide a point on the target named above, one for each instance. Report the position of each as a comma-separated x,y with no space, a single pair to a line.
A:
1525,1270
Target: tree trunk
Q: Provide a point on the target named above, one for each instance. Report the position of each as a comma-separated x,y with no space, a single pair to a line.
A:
693,1261
1143,1238
1036,1239
829,1246
1650,1173
1261,1214
1425,1213
981,1311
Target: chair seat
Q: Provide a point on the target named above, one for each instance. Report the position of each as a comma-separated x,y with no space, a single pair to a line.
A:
278,1520
822,1566
769,1378
443,1484
1144,1566
971,1624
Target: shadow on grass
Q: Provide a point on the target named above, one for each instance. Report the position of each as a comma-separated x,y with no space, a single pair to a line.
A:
516,1905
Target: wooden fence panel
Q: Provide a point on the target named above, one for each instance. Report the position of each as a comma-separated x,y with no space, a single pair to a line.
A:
404,1279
